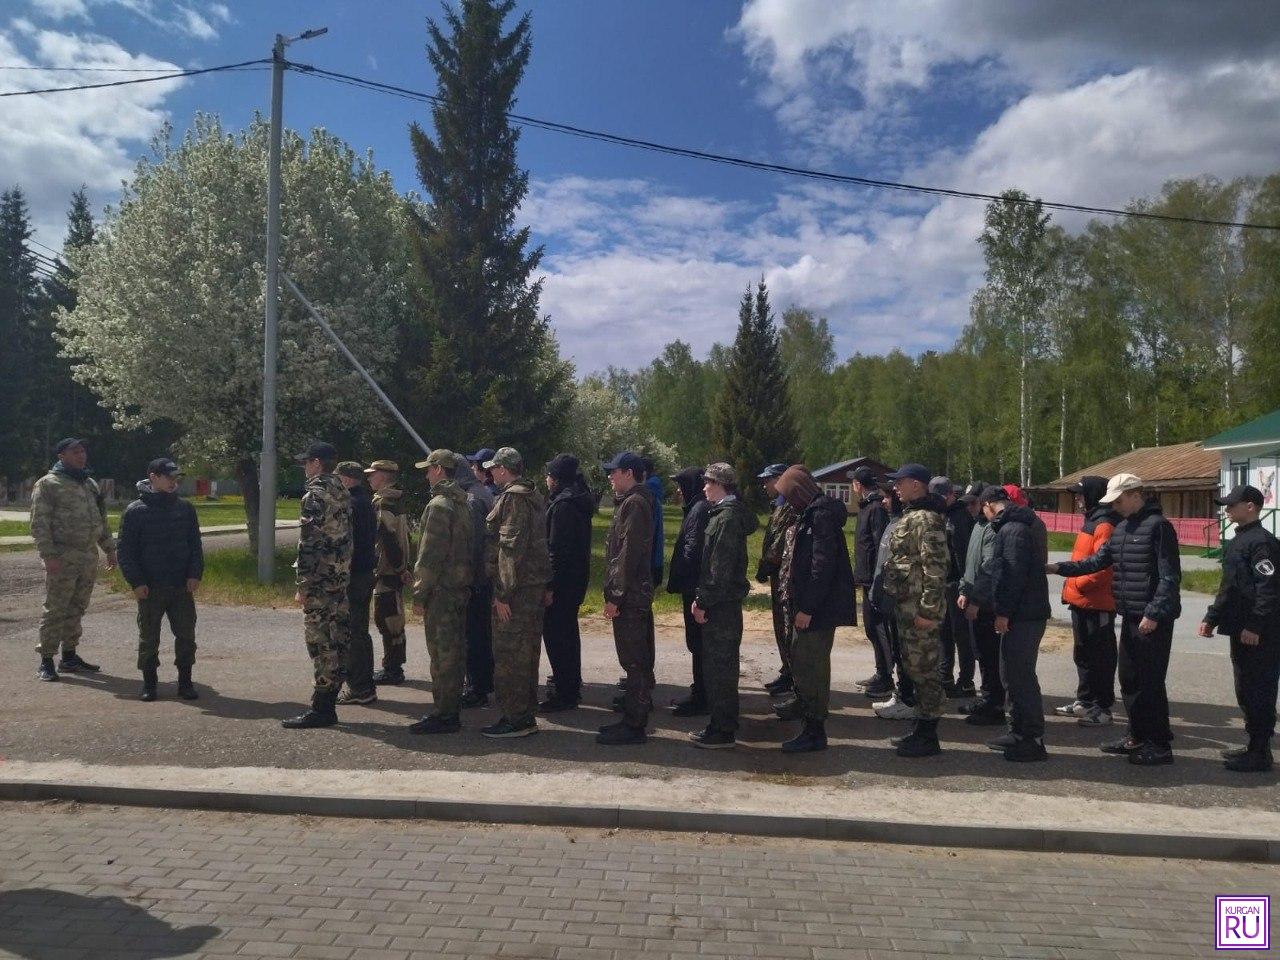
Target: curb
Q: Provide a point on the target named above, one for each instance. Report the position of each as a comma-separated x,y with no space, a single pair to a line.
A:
1175,845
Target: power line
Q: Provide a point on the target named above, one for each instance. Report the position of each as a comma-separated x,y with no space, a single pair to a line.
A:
91,69
807,173
125,83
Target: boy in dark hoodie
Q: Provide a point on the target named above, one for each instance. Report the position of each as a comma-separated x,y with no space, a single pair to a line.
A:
682,579
569,514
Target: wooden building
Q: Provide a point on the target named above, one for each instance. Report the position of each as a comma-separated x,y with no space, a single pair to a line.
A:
836,479
1185,475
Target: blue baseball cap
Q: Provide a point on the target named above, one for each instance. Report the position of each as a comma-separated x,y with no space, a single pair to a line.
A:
483,455
626,460
912,471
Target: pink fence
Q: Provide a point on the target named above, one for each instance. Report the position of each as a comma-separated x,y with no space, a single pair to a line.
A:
1192,531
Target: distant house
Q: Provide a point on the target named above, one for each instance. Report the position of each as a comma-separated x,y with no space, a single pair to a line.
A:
1184,475
1250,453
836,479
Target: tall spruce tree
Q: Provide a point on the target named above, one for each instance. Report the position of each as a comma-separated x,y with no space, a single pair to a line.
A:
20,301
486,369
753,423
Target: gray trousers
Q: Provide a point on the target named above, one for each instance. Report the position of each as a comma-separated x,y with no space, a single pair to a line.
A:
1019,650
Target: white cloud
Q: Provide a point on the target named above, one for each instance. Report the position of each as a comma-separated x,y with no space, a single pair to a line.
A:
61,9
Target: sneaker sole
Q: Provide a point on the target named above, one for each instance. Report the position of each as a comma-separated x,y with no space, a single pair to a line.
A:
510,735
713,746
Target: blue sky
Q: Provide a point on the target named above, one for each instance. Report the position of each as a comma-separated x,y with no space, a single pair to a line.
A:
1090,101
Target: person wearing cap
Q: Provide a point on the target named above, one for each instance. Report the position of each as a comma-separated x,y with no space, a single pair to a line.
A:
957,644
364,559
976,600
478,461
477,686
873,517
628,596
519,565
970,499
324,574
682,579
69,527
442,581
782,518
391,568
817,586
568,520
1143,550
1021,602
915,576
1093,611
162,560
1247,610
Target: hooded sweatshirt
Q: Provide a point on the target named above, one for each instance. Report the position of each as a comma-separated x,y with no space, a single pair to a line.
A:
1092,591
723,574
686,555
569,539
819,571
160,540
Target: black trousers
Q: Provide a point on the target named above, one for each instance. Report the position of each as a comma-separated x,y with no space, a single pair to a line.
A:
360,644
633,637
1257,670
1094,652
986,644
693,640
880,645
957,645
1019,651
479,628
1143,664
179,606
563,640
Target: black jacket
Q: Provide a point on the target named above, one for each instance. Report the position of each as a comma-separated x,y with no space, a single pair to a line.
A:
1249,597
686,555
1143,550
364,530
1022,550
873,517
959,528
569,539
159,542
821,575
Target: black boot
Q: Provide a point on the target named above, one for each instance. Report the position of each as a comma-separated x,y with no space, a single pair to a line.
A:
47,670
1256,759
148,685
922,742
812,737
71,663
186,689
321,714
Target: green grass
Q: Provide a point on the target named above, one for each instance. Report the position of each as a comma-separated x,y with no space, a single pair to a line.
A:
15,528
222,512
231,579
1201,581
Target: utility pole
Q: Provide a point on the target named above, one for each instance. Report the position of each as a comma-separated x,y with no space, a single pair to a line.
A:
271,332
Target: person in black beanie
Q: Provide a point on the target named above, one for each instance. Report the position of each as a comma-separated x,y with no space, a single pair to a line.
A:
569,512
682,579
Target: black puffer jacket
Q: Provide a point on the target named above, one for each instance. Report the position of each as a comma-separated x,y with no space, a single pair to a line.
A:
364,530
1022,550
821,575
959,528
160,540
1143,551
686,555
569,539
873,517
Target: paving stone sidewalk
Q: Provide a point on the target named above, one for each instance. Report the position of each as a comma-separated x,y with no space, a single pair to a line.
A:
102,883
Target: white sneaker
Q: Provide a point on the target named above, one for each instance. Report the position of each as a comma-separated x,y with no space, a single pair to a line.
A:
895,709
1096,717
1073,709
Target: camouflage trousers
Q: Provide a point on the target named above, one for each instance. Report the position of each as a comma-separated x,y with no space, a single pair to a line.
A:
921,654
327,629
517,652
721,663
783,629
66,598
388,616
445,614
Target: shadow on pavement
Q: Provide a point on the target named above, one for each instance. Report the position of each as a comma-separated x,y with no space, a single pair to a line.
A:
40,923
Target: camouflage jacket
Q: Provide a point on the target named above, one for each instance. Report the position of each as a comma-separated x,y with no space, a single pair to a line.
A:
391,541
516,554
628,551
68,516
724,554
915,572
782,519
444,553
324,541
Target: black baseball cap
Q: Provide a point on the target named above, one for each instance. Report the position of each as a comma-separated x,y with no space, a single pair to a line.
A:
318,451
865,476
163,466
64,445
912,471
993,494
772,471
1241,494
626,460
973,492
483,455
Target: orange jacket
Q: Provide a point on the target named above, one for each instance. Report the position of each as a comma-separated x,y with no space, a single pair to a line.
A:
1092,591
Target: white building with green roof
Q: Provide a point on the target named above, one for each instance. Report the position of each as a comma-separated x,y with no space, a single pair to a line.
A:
1250,453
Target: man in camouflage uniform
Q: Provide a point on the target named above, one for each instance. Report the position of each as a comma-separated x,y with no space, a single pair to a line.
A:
781,519
324,574
391,545
441,586
915,575
68,524
519,568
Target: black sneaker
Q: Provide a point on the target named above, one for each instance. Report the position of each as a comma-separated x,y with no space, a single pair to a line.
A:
1121,747
71,663
922,742
877,687
556,704
312,719
1257,760
1151,755
779,684
1232,752
473,698
1026,750
1002,743
348,698
987,717
689,707
713,739
436,724
621,735
790,709
388,678
47,672
505,729
811,739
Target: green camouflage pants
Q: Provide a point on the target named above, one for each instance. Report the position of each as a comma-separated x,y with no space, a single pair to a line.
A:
66,598
921,654
721,645
179,606
326,629
388,616
811,671
447,647
517,652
